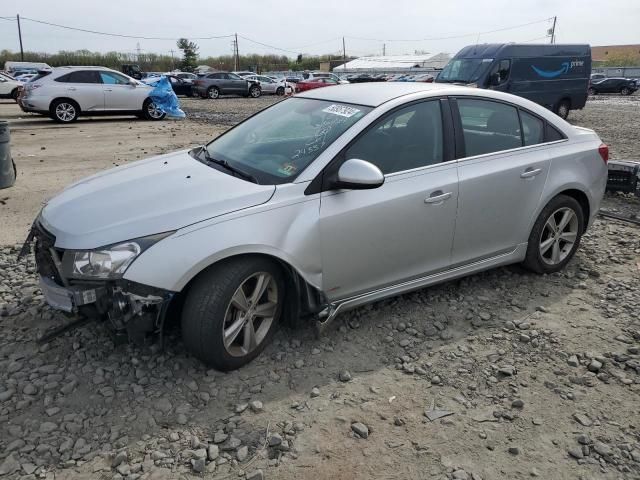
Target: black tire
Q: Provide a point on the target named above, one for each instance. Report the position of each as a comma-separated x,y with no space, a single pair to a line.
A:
64,110
592,91
280,91
150,112
213,93
207,302
534,260
14,94
563,108
255,91
625,91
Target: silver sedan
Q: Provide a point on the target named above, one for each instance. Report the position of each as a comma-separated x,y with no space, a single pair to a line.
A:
269,85
331,199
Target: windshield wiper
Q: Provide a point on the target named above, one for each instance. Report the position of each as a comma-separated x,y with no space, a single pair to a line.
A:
223,163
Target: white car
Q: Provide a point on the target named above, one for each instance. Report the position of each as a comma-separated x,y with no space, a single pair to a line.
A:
269,85
316,75
9,86
65,93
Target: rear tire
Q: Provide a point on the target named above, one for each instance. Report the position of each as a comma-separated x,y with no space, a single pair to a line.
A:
592,91
224,299
625,91
64,111
552,242
213,93
563,108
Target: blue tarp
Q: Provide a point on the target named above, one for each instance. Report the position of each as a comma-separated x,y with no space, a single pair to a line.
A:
164,97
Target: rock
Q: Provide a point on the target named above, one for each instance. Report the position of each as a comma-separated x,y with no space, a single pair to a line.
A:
255,475
460,475
315,392
256,406
241,407
48,427
164,405
198,465
361,429
344,376
6,395
573,361
123,469
15,445
507,370
514,450
212,452
582,419
583,439
242,453
9,465
275,439
120,457
602,449
594,366
299,363
219,437
181,419
517,403
575,452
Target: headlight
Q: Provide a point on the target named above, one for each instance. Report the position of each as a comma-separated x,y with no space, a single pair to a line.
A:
105,263
109,262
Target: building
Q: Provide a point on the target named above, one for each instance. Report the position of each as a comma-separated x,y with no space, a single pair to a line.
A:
623,54
395,63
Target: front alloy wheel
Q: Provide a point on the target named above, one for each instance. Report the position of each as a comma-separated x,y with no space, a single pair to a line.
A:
232,310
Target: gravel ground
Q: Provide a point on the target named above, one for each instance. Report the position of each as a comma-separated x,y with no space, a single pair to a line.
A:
503,374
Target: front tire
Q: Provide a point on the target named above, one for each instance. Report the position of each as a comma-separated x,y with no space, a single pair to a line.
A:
232,310
14,94
64,111
280,91
151,112
555,236
255,91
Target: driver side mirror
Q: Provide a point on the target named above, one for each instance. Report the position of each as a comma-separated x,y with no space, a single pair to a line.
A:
358,174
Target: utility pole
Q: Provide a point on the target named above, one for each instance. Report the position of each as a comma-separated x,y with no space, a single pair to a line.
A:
138,52
344,53
553,30
237,57
173,66
384,49
20,36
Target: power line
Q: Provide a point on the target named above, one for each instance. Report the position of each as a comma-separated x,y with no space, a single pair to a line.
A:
118,34
266,45
448,37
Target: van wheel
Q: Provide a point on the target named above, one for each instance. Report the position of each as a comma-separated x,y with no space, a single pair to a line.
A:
555,236
151,112
232,310
562,110
64,111
592,91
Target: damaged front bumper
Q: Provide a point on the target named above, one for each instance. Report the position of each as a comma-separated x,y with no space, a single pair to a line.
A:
131,308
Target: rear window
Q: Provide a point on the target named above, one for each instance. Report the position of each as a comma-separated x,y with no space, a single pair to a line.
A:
552,134
80,76
41,74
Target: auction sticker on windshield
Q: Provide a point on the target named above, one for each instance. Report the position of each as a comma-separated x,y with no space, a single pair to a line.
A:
342,110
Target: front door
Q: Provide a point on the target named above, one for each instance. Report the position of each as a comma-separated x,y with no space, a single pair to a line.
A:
501,176
403,229
119,94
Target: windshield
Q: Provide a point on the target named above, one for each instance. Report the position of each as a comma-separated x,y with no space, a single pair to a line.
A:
466,70
277,144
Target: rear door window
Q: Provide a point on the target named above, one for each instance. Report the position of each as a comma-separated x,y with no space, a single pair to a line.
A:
532,129
488,126
84,76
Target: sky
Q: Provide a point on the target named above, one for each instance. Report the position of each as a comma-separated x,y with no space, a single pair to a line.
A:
315,26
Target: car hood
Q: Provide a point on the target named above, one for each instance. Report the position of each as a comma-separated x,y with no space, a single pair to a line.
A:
143,198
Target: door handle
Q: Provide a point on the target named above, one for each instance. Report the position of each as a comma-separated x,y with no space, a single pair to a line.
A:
73,89
530,172
437,197
108,89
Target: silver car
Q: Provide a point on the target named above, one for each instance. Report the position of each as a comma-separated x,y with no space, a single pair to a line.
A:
328,200
269,85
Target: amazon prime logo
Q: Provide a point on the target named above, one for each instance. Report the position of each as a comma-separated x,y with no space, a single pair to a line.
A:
564,68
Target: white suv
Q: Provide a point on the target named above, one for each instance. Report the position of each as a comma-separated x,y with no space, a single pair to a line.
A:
9,86
65,93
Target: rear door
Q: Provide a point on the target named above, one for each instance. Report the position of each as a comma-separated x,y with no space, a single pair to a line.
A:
502,171
83,86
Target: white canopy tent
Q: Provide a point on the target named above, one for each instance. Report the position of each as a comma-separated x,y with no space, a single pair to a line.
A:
395,62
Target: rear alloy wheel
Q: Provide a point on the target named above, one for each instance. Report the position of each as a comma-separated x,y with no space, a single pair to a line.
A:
625,91
232,310
555,236
563,109
151,111
255,91
213,92
64,111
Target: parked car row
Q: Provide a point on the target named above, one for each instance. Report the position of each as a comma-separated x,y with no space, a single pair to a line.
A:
623,86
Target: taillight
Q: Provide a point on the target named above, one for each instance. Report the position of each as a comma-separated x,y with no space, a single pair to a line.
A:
603,150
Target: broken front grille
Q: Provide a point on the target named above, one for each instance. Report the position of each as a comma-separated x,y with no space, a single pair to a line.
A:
44,242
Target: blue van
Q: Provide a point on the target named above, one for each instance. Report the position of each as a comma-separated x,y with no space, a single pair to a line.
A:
555,76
